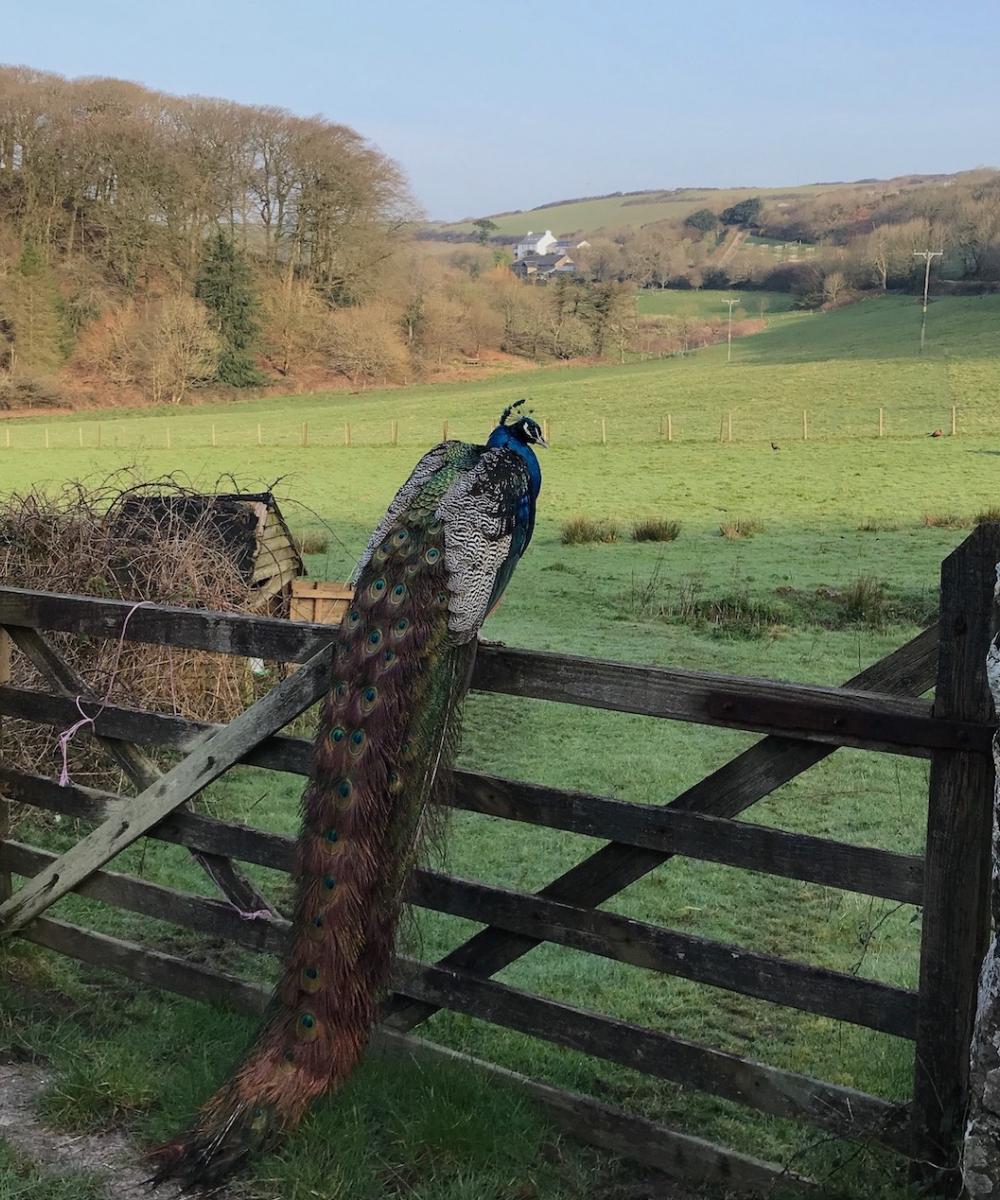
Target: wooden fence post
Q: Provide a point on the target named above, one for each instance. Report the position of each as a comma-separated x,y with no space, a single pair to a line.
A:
670,428
305,434
214,439
604,431
80,434
545,431
729,426
260,435
881,422
954,420
956,912
6,887
347,434
394,433
805,426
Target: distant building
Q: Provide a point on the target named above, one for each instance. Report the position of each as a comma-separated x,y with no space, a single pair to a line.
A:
540,267
545,243
535,243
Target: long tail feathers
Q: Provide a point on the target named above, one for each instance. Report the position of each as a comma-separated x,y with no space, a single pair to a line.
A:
387,732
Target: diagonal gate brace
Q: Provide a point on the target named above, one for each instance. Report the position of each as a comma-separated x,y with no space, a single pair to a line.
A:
735,786
134,762
212,756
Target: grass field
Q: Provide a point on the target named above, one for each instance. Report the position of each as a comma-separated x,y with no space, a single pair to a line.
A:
619,212
774,604
712,302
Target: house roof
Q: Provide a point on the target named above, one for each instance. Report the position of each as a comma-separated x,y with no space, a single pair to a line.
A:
542,260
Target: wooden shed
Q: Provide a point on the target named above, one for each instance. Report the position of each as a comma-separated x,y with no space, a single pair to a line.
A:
249,525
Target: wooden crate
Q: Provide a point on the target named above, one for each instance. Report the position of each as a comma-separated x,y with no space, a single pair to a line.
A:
320,600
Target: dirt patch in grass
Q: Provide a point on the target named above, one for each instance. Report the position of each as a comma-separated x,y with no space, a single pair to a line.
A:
107,1164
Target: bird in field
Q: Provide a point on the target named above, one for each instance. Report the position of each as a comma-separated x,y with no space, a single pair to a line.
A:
938,433
434,569
775,446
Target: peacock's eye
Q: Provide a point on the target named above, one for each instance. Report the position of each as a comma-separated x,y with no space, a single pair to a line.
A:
344,789
337,735
432,554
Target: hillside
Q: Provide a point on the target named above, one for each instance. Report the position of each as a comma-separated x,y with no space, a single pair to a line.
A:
626,210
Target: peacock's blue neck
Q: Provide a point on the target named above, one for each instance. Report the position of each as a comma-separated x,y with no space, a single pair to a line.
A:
501,437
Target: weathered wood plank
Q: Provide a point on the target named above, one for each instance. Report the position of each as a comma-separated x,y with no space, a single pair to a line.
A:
285,564
136,764
957,884
201,767
757,848
151,967
769,977
731,789
203,915
871,871
837,716
677,1154
225,633
843,1111
180,828
847,716
782,981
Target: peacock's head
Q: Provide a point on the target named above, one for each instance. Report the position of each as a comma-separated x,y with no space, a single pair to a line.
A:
525,428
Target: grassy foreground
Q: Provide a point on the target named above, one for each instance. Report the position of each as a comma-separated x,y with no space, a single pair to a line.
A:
785,603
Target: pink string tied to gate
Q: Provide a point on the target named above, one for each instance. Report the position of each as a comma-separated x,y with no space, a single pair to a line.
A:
67,735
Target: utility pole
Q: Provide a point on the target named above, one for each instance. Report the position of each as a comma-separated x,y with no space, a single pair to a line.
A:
729,331
927,256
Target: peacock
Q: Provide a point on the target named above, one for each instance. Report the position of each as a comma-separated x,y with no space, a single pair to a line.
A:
433,570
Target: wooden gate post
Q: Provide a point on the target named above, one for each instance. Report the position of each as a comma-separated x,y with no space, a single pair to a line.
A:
956,913
6,887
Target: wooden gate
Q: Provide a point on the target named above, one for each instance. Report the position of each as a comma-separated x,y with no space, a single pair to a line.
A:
877,710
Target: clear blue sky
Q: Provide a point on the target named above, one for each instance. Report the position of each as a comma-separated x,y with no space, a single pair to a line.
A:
512,104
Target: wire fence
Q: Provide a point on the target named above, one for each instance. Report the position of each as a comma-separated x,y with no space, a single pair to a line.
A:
746,424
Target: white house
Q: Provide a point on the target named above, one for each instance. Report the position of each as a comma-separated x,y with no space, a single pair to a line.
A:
545,243
535,243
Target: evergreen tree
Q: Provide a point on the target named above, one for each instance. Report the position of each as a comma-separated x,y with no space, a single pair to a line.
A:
226,289
35,337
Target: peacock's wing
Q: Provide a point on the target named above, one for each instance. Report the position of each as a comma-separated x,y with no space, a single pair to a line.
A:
422,492
488,514
483,498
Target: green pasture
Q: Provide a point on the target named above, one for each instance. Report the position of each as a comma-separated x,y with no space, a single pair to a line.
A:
841,507
713,302
619,212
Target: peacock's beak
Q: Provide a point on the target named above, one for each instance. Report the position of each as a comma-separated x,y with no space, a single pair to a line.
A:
540,441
